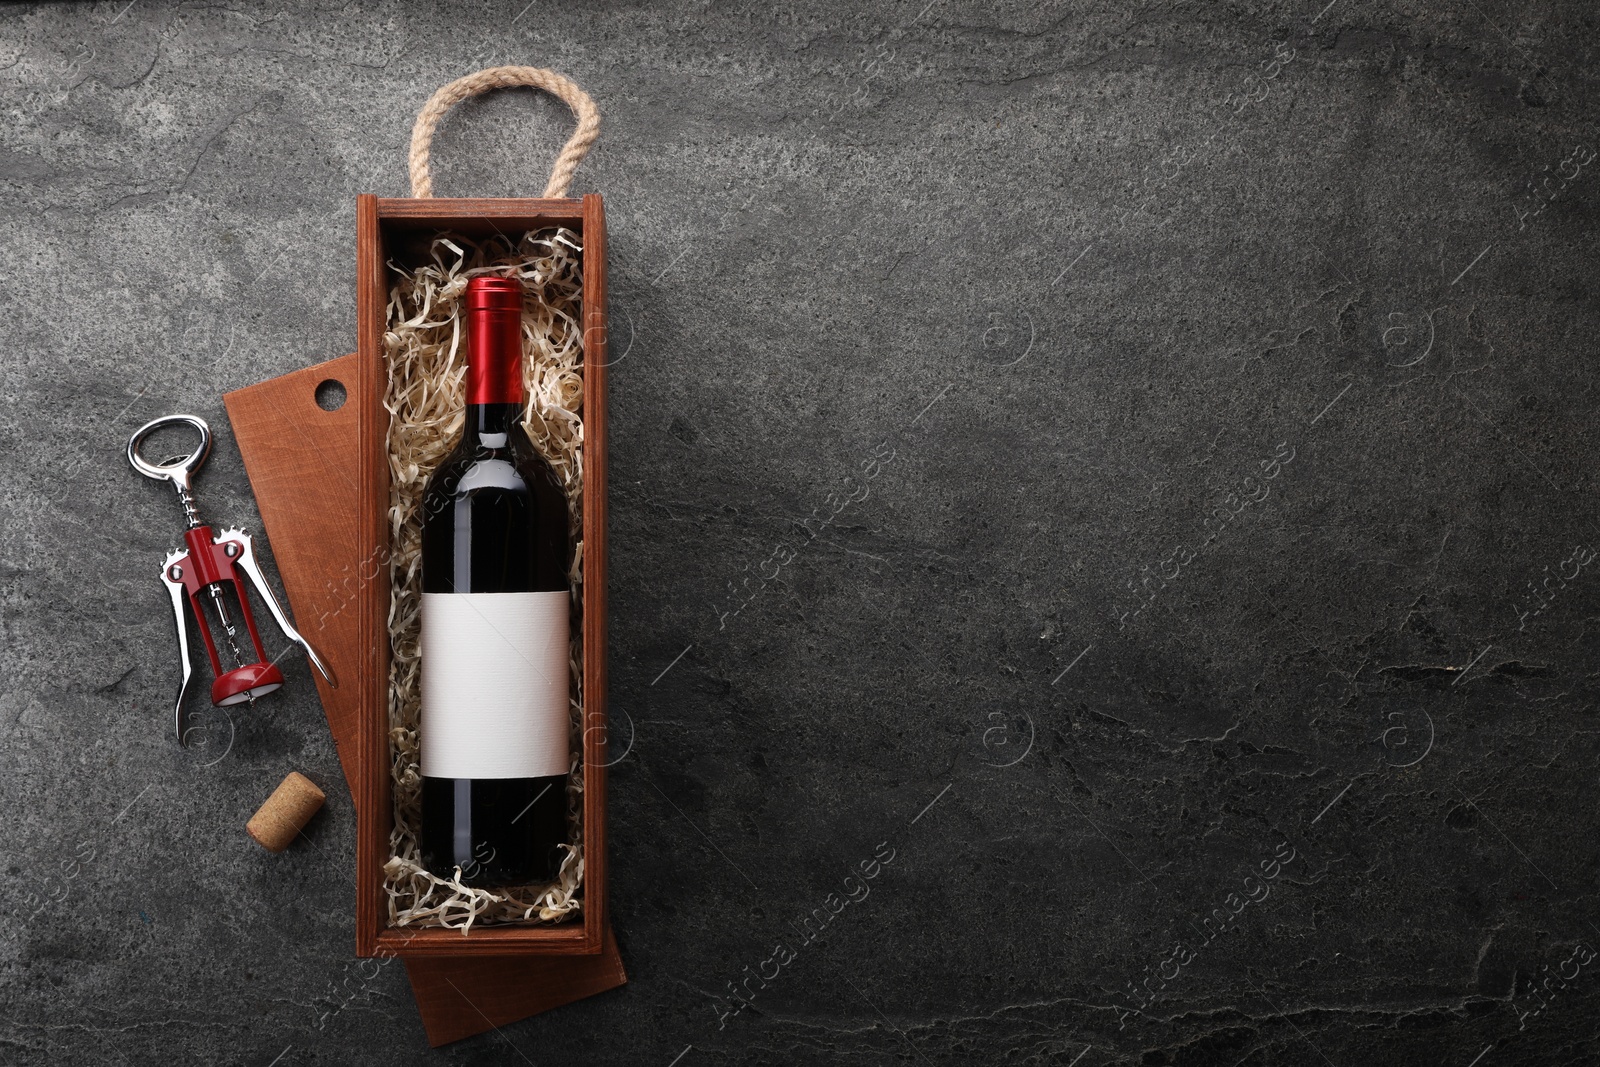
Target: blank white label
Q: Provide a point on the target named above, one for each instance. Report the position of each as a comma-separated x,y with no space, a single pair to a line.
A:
494,684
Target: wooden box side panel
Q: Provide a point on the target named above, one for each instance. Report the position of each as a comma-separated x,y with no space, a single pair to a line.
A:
569,939
480,214
594,567
379,224
374,813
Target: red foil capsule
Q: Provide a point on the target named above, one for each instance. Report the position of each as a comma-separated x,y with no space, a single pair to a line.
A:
494,341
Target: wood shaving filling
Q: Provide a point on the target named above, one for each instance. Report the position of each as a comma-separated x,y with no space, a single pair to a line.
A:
425,346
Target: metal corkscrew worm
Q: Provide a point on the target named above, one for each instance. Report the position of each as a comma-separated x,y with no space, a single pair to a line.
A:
206,573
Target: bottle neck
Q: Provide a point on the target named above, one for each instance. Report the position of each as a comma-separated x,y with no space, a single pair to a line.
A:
491,421
494,355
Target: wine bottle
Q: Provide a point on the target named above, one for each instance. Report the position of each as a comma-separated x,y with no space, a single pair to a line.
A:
495,624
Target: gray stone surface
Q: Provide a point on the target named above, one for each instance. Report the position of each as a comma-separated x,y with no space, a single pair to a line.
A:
1230,370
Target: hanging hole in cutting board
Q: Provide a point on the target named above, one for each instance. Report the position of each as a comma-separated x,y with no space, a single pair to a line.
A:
331,394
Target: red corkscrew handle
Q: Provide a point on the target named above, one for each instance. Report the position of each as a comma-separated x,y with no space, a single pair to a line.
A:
212,562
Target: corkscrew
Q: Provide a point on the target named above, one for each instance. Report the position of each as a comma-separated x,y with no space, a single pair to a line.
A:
206,573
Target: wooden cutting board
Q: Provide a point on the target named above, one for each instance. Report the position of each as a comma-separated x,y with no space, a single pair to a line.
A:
301,463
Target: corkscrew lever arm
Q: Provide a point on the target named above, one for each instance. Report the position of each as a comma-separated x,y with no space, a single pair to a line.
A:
176,589
247,563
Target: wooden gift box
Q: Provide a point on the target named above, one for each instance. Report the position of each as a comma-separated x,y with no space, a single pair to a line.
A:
399,231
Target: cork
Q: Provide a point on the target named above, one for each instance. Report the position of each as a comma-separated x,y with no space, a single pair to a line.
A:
285,812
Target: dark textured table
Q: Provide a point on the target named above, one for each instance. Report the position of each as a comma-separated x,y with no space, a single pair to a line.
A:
1104,555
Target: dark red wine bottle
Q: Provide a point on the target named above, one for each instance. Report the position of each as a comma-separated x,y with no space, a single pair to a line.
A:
496,609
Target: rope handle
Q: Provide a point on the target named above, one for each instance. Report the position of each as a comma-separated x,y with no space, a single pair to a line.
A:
448,96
